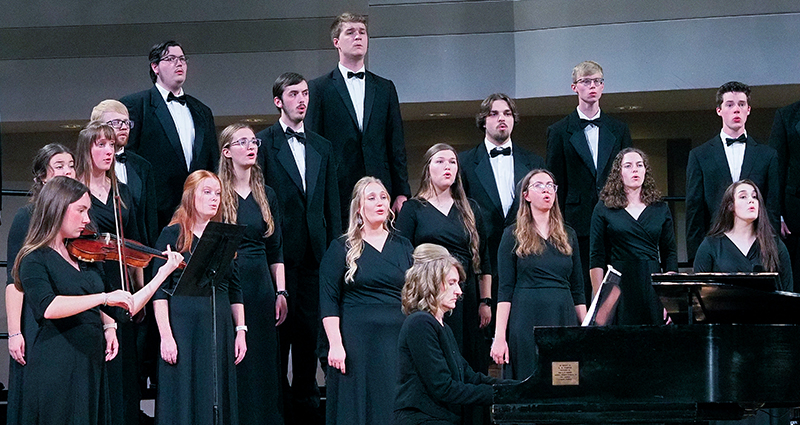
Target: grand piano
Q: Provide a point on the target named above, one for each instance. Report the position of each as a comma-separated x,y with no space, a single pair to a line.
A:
734,348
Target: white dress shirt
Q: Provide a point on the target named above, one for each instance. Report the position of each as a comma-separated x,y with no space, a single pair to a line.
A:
121,169
592,133
184,123
735,155
503,169
355,86
298,151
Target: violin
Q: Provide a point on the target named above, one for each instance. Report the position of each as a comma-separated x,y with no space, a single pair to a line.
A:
91,247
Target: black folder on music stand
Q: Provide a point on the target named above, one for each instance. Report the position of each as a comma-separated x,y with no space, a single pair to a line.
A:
211,260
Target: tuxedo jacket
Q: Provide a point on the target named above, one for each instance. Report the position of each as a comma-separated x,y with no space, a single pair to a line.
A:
331,114
708,175
142,187
155,137
311,217
785,138
479,184
570,161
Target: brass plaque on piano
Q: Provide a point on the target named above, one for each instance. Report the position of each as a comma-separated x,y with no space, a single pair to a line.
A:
565,373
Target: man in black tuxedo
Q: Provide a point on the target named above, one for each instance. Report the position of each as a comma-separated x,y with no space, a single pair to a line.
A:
580,150
359,113
173,131
491,171
785,138
132,169
299,165
728,157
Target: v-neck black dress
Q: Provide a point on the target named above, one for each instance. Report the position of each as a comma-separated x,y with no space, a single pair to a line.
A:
123,370
421,222
185,389
543,291
65,379
720,254
258,375
370,316
636,248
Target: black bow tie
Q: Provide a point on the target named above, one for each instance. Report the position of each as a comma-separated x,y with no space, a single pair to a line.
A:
595,122
122,157
740,139
359,75
180,99
500,151
300,136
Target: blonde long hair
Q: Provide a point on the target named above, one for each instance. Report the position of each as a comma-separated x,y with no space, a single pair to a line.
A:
355,240
426,191
424,280
186,214
529,241
230,201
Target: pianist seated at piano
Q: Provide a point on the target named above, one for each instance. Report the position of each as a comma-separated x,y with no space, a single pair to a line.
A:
434,380
741,238
540,275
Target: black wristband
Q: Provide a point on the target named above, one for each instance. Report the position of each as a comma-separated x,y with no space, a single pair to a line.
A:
284,293
487,301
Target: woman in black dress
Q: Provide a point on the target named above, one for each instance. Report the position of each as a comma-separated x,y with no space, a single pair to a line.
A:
632,230
361,276
246,200
64,376
540,275
94,167
186,374
51,161
435,382
440,213
742,239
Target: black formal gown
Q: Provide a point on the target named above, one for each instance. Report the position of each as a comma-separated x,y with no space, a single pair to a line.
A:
434,381
720,254
421,222
543,291
65,381
370,316
258,375
185,389
28,325
123,370
636,248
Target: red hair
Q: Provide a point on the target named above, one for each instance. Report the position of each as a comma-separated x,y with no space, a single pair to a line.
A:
186,214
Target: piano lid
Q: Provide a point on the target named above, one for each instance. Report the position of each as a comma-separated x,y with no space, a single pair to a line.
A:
726,298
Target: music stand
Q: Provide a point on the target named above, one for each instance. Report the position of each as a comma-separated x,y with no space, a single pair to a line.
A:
210,263
604,306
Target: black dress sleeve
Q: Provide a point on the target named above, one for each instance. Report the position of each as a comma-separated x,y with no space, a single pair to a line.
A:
426,356
506,266
785,264
274,243
483,238
406,222
331,279
704,259
668,249
35,279
576,277
169,236
597,237
16,237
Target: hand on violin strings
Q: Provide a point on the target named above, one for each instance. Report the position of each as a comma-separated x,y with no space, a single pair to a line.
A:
173,259
120,298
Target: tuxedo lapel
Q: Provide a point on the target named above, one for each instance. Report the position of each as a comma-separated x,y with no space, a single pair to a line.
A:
165,118
369,98
749,158
578,140
483,169
199,135
720,162
606,143
521,168
135,182
313,162
284,156
341,87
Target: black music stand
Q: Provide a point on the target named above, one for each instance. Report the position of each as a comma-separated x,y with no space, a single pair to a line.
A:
211,262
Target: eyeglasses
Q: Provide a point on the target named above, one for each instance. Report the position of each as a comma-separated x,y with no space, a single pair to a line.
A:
245,142
540,187
173,59
587,82
118,124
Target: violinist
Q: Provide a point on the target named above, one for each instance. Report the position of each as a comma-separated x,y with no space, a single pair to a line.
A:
52,160
113,211
74,311
186,391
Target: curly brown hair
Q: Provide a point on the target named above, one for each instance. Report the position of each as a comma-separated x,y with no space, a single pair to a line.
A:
613,193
